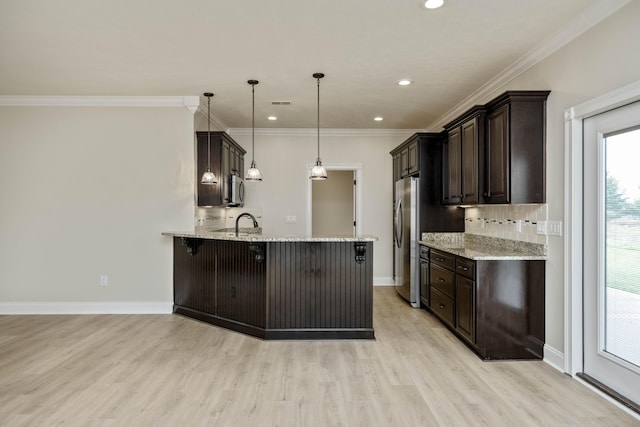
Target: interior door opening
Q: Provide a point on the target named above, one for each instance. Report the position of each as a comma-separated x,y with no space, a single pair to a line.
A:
334,204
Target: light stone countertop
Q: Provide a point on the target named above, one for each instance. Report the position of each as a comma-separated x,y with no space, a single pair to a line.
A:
255,237
477,247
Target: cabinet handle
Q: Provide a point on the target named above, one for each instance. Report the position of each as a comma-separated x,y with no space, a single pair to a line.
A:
486,194
440,279
441,305
440,259
462,268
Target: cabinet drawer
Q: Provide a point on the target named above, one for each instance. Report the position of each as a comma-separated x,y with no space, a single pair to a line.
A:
466,267
442,280
442,306
424,252
444,259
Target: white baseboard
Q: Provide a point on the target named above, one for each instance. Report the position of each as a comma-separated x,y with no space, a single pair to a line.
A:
554,358
382,281
86,307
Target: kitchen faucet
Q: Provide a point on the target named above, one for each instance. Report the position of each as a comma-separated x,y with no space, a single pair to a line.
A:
253,218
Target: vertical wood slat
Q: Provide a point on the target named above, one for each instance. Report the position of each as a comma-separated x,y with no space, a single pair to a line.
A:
327,288
196,276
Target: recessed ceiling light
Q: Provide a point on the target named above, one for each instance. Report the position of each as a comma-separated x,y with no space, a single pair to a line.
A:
378,119
404,82
433,4
272,118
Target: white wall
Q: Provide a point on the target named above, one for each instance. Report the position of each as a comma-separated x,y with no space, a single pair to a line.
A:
602,59
283,158
86,192
332,204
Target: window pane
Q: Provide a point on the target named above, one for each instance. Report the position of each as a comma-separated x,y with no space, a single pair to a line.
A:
622,271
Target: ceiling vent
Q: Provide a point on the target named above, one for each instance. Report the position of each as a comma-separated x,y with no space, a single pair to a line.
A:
280,102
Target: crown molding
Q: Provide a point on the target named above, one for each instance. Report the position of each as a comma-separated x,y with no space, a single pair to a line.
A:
324,132
189,102
216,122
583,22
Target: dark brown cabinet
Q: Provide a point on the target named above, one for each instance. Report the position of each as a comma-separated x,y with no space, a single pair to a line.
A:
406,160
515,152
424,275
495,306
227,157
465,299
442,283
462,158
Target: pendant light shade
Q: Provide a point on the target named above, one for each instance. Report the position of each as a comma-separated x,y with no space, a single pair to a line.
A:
253,174
318,172
208,178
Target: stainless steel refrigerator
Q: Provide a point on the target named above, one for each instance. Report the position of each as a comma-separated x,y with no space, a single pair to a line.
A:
406,236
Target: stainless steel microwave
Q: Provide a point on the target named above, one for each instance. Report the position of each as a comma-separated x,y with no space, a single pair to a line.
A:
235,191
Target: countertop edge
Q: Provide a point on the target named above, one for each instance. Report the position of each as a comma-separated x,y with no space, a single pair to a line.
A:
266,238
476,254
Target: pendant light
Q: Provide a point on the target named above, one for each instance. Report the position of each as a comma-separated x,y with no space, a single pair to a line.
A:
318,172
253,174
208,178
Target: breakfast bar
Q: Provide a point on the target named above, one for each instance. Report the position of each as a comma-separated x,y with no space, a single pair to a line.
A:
275,287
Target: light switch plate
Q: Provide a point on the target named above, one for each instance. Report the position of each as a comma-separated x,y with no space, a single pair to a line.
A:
291,219
554,228
541,227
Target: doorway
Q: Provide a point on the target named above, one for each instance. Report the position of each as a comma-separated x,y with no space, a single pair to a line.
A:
333,205
611,254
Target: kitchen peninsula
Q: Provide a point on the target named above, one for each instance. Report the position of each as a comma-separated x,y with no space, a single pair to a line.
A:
276,287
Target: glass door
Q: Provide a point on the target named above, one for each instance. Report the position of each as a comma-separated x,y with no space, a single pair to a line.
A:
611,311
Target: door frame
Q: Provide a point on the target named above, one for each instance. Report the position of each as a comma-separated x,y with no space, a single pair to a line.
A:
573,211
357,169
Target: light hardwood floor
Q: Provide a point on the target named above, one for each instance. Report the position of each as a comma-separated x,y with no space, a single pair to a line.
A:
136,370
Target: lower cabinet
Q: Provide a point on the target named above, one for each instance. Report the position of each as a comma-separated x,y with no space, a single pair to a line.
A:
424,275
495,306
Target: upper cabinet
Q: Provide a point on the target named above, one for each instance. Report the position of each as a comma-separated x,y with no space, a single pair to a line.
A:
496,153
406,159
462,158
515,155
227,158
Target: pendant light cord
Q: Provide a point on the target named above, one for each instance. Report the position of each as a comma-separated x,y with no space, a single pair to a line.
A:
209,132
318,118
253,123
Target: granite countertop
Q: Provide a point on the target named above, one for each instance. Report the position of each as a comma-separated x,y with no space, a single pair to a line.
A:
477,247
255,237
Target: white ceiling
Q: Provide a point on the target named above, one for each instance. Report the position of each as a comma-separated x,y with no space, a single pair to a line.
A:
187,47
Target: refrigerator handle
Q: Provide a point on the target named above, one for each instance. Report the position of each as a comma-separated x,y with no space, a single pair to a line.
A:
395,224
399,224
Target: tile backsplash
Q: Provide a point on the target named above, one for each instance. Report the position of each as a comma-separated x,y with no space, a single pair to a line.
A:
215,219
513,222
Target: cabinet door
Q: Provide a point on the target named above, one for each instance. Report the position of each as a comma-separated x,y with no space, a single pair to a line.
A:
413,158
208,195
452,173
469,153
241,283
424,282
397,169
465,308
404,162
497,156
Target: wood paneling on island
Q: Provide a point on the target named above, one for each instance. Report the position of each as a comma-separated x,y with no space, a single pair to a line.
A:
276,289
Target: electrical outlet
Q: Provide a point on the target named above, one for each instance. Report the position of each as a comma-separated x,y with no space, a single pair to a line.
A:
104,280
291,219
518,226
554,228
541,227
